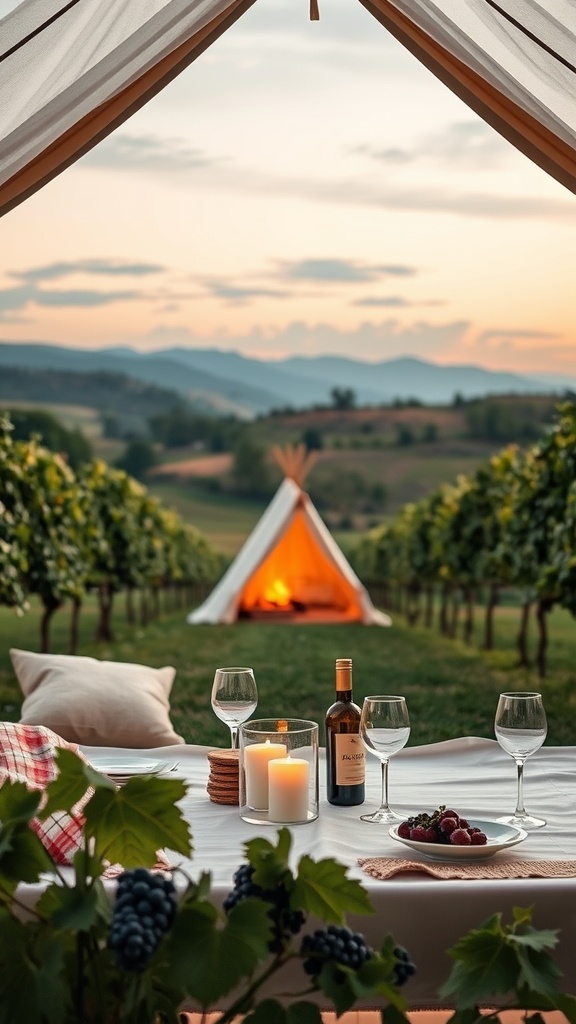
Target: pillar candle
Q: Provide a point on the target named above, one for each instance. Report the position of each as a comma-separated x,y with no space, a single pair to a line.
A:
288,789
256,758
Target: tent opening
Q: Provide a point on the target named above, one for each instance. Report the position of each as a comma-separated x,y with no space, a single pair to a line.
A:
297,577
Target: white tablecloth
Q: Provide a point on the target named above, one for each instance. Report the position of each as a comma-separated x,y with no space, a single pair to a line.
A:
425,915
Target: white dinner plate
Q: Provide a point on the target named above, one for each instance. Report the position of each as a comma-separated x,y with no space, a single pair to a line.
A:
499,837
125,767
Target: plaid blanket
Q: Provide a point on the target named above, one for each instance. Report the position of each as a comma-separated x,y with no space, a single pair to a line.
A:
27,754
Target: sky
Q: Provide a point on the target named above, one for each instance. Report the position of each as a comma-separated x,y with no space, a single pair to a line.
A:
303,188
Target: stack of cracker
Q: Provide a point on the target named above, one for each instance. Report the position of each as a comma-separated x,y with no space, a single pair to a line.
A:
223,780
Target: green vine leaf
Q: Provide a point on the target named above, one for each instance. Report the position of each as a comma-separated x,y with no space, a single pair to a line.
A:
270,862
77,909
336,983
18,803
322,888
130,824
22,855
269,1011
495,959
32,985
74,778
199,940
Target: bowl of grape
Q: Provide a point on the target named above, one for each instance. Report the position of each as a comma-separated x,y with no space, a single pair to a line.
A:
445,834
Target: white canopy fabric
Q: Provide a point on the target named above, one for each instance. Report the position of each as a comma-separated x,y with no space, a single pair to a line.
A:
313,568
73,70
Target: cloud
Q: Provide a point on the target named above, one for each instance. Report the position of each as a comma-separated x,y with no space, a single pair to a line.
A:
30,291
415,198
503,335
463,144
460,144
82,297
122,152
105,267
341,271
13,299
389,301
395,302
239,295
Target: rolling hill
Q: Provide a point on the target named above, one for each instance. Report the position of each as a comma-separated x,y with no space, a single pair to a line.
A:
226,382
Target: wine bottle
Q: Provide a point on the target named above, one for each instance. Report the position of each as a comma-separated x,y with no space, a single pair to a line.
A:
345,752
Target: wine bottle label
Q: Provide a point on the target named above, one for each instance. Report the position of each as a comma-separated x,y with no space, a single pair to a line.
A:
350,759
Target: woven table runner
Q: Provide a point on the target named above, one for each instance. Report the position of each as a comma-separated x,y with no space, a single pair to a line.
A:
386,867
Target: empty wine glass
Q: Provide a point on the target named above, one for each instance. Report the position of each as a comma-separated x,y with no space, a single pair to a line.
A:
384,729
520,727
234,697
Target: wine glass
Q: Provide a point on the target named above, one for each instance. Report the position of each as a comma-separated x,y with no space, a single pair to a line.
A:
234,697
384,729
520,727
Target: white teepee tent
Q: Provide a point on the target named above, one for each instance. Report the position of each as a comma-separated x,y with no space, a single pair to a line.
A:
290,566
73,70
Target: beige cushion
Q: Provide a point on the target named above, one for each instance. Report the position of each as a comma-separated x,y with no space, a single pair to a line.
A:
98,703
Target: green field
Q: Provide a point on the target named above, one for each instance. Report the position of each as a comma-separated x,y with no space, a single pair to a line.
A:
451,689
225,520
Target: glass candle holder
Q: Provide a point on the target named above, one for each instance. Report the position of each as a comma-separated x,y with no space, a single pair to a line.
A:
279,771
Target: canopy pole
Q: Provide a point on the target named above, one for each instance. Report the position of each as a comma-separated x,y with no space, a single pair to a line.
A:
314,12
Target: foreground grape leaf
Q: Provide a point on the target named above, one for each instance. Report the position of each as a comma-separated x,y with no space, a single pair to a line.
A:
22,856
71,783
485,967
323,888
336,983
199,940
76,908
270,862
271,1012
31,983
538,971
392,1015
130,824
18,803
496,959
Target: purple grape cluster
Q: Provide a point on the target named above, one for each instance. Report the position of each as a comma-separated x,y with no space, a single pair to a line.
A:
144,911
442,826
286,922
403,968
337,944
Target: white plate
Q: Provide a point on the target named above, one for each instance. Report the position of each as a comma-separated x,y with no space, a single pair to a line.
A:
499,837
126,767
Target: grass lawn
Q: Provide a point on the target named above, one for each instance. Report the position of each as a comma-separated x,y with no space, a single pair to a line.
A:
451,689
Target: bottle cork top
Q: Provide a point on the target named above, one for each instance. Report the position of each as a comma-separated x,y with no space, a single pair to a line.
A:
343,662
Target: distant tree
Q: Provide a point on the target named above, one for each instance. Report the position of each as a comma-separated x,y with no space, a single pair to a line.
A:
138,458
430,432
378,495
404,435
338,490
501,420
71,444
343,398
180,426
250,472
111,426
312,438
458,400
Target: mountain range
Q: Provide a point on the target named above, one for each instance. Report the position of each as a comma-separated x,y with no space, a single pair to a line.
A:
225,382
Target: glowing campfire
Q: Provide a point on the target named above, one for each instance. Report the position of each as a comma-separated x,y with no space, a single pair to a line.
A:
278,594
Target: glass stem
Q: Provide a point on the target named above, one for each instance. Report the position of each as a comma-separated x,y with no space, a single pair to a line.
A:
384,806
234,734
520,810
